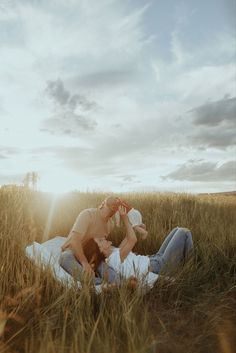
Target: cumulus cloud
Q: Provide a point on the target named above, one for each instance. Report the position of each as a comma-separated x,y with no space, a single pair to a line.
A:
71,111
214,124
56,90
215,137
215,113
114,91
63,97
201,171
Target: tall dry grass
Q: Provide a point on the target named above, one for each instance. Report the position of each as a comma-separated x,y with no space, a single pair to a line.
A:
194,314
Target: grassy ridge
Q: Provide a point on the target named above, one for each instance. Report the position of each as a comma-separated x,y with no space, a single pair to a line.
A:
194,314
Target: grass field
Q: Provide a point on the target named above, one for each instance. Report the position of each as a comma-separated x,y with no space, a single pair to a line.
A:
194,314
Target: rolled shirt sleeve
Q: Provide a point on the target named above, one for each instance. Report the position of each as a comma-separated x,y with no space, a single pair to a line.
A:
82,222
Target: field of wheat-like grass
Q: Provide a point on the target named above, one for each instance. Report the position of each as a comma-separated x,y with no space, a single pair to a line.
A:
195,313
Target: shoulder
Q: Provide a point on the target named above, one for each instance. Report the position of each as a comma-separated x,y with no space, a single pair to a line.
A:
83,222
88,212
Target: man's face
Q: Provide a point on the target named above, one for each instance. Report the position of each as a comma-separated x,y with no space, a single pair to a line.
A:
110,206
110,210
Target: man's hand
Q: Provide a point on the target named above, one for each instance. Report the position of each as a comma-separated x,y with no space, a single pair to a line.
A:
144,232
88,269
142,225
122,211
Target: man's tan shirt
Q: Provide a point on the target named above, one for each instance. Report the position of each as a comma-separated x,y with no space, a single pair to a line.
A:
89,224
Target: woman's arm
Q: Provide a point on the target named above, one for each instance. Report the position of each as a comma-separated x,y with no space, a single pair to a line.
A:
130,239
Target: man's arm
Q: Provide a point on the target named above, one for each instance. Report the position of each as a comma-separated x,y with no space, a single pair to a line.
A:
75,244
75,239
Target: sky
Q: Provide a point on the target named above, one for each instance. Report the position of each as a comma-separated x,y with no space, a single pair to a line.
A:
118,95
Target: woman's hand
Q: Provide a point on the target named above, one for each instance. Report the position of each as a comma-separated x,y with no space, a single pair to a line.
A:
133,282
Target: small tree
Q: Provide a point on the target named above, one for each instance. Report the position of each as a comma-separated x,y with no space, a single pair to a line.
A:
30,180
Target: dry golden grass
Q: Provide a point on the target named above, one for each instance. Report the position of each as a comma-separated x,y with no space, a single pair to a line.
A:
194,314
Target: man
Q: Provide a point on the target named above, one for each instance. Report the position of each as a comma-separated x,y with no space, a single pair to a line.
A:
91,223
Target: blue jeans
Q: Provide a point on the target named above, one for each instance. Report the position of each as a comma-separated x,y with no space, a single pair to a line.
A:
176,248
69,263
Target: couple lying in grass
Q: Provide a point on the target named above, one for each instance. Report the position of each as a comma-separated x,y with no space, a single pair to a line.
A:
88,249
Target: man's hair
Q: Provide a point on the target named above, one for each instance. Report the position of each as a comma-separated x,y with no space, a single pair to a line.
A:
93,254
112,202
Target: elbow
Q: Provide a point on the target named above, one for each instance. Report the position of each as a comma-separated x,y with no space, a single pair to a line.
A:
72,245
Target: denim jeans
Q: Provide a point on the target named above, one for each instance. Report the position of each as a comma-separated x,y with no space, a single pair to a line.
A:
69,263
176,248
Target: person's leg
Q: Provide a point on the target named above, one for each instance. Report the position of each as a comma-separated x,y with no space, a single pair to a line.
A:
176,247
69,263
167,240
156,260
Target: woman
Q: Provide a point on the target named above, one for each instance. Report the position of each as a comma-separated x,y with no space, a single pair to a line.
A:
176,248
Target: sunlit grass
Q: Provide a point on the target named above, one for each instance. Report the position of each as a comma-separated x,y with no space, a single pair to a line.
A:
196,313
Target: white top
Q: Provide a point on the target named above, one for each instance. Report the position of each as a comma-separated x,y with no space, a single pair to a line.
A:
47,255
133,265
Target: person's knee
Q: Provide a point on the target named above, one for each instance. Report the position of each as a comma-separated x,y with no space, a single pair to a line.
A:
68,261
184,233
64,257
188,233
182,230
187,237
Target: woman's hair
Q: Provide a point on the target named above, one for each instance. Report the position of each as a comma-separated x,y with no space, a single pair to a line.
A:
93,254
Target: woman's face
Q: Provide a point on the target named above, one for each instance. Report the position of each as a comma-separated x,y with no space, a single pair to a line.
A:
104,246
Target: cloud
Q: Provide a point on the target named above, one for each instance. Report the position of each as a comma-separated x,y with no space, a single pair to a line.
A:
128,177
95,162
200,171
62,97
102,93
106,78
7,152
71,111
214,124
68,123
56,90
215,137
215,113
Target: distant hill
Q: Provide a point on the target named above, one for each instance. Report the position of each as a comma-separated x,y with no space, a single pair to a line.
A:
223,193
